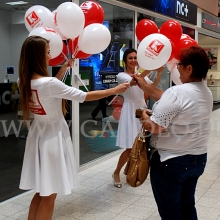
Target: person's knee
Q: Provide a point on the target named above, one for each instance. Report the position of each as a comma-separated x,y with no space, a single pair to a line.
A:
49,199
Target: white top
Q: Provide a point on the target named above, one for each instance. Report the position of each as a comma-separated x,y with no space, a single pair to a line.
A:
49,163
184,110
129,126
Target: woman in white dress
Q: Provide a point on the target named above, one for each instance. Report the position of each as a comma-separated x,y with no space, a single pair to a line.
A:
134,98
49,165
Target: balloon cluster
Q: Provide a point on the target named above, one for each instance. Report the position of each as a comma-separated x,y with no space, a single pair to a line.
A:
79,26
161,46
117,103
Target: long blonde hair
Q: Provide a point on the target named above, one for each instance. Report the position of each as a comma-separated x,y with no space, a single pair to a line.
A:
32,60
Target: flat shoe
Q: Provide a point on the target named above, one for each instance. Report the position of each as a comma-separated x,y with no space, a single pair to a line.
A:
116,184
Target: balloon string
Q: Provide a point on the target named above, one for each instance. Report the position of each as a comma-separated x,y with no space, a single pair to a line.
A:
80,80
65,75
112,100
65,57
68,49
68,69
76,51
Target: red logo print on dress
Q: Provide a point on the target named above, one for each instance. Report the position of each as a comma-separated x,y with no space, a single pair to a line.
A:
32,19
155,47
35,105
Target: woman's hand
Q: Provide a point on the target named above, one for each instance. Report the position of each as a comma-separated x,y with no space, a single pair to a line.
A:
133,82
121,88
68,63
140,81
63,69
150,125
145,115
160,70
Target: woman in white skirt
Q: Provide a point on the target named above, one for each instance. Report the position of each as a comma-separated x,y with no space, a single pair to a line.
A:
134,98
49,164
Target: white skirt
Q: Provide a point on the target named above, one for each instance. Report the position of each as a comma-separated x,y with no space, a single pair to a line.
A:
49,164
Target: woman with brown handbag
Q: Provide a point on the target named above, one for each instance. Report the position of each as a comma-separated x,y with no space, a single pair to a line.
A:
180,126
129,125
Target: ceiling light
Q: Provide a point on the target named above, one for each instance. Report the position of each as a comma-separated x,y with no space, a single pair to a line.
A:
16,3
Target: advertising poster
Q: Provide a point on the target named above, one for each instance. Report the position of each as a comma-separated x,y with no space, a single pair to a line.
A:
212,53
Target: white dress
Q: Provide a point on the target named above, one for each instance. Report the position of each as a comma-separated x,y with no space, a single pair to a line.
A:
49,163
129,126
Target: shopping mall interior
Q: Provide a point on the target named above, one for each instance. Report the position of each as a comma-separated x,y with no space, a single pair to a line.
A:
97,156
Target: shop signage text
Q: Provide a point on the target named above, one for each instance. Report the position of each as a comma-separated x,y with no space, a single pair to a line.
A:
210,22
180,9
109,79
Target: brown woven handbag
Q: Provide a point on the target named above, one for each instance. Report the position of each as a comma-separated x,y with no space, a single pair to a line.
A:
138,165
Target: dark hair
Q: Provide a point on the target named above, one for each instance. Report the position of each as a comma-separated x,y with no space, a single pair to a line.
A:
32,60
198,59
128,51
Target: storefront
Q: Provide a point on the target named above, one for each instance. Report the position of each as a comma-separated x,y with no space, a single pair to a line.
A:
98,71
209,39
121,18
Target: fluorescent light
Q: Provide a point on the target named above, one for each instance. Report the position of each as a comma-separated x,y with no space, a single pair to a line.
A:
16,3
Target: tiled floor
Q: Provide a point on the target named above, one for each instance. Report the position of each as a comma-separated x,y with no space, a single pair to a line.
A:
98,199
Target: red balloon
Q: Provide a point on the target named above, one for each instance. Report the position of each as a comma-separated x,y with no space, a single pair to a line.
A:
93,12
116,113
185,36
144,28
60,58
72,44
185,43
72,47
172,30
82,55
173,52
117,102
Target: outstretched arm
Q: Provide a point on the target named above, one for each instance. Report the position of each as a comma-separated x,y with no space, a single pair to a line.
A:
159,73
156,81
153,91
95,95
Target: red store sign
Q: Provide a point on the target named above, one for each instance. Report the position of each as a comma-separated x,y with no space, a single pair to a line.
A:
210,22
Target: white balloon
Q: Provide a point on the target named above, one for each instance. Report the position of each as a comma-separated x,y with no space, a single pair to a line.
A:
70,19
175,75
38,16
94,39
56,43
56,28
153,51
170,64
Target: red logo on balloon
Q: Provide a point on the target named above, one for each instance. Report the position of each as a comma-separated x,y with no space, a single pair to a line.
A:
85,6
48,29
32,19
155,47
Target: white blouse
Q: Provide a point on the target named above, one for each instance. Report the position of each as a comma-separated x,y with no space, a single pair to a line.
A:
184,111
